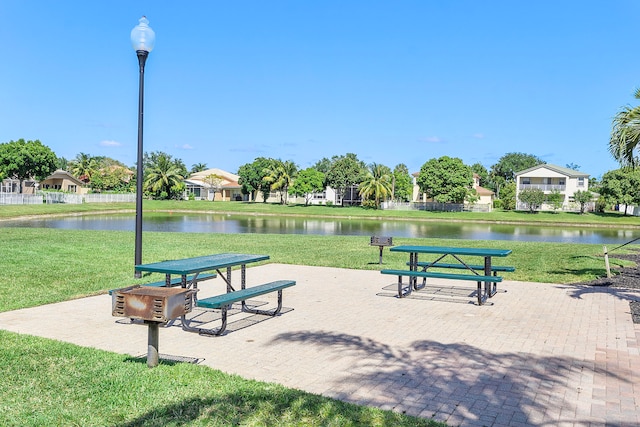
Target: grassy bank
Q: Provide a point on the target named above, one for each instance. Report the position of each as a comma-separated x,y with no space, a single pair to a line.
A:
609,219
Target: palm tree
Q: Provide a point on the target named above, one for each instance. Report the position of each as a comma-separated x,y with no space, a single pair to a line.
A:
625,135
377,183
84,167
164,176
280,177
198,167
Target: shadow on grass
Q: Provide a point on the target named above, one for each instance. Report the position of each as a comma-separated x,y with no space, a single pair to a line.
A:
615,266
268,406
458,383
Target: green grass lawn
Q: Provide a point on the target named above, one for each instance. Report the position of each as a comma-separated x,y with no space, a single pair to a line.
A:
44,382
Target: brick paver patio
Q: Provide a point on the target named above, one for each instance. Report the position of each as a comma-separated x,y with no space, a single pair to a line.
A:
542,354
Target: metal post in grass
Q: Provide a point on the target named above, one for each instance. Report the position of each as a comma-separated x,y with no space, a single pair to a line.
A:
143,39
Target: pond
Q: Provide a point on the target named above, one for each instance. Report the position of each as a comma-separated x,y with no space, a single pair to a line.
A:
221,223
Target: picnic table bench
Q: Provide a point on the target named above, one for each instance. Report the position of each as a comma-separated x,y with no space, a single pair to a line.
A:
489,273
494,268
224,301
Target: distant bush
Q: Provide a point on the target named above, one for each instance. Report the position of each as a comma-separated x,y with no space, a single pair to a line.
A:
369,204
329,203
497,204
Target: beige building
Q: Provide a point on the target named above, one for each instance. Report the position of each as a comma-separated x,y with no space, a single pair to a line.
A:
214,184
60,180
550,178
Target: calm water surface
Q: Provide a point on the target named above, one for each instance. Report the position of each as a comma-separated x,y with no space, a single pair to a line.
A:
203,223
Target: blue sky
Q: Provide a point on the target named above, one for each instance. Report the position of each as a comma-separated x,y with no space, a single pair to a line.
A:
392,81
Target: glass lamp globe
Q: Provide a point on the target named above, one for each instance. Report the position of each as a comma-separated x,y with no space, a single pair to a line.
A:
142,36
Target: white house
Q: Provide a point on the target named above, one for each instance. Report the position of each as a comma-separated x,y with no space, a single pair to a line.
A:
550,178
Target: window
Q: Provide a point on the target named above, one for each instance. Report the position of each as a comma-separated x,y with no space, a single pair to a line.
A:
71,188
561,181
526,181
580,182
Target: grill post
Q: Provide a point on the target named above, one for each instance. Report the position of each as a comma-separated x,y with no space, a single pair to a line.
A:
153,342
154,306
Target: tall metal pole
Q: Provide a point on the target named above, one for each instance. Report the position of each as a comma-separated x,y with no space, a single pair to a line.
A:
142,59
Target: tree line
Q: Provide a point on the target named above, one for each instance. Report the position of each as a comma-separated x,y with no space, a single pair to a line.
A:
445,179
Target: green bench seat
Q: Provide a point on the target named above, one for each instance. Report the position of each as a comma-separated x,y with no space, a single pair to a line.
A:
224,301
176,281
494,268
438,275
402,291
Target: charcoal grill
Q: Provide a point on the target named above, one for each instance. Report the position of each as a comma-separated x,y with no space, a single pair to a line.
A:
154,306
381,242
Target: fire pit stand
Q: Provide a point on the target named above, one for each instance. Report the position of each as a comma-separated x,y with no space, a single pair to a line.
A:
154,306
381,242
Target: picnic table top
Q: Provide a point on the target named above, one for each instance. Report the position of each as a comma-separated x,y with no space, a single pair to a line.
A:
201,263
486,252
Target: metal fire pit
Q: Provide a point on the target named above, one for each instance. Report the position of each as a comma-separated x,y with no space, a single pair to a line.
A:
151,303
381,242
154,306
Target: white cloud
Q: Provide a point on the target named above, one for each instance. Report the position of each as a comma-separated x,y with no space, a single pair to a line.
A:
185,147
433,139
478,135
109,143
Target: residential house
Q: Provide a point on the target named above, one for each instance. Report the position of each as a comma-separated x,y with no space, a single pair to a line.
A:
60,180
485,196
214,184
550,178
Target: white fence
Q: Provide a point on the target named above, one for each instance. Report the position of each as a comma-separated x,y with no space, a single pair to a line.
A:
434,206
629,209
109,198
72,199
69,198
20,199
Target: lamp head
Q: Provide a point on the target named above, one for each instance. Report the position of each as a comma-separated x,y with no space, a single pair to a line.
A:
142,36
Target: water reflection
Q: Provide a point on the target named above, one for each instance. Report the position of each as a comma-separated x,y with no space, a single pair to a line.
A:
230,224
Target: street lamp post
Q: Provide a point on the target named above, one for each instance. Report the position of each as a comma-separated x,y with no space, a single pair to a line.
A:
143,39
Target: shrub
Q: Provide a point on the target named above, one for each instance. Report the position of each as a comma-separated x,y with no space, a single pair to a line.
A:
369,204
